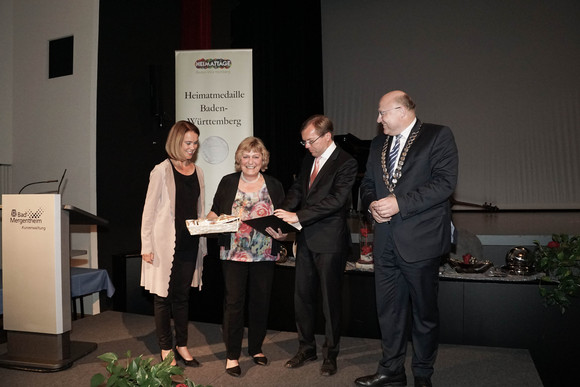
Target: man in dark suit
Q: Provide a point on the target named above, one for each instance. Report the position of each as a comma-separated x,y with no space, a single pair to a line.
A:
321,197
410,205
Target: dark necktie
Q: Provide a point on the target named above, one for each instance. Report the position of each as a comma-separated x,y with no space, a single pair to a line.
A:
393,155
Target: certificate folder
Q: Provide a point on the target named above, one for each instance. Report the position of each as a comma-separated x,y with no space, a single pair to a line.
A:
273,221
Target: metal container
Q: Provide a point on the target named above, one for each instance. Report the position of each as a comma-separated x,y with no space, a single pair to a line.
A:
519,256
519,261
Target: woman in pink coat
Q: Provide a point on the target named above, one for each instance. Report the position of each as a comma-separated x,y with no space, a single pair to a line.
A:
172,258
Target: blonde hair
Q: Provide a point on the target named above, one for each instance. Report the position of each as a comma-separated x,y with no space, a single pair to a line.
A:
176,136
250,144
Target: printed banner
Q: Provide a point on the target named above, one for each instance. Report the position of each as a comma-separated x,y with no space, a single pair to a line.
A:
34,256
213,90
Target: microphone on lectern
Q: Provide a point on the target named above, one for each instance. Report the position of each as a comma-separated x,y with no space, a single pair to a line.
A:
61,180
37,182
46,182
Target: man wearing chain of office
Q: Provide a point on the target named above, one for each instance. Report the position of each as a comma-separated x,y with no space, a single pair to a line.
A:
410,175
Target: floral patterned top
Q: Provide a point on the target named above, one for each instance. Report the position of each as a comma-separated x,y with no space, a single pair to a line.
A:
248,244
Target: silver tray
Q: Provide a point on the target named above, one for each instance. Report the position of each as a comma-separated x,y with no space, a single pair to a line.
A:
474,266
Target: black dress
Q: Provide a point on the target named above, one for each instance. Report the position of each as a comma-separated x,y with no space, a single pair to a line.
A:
186,194
176,304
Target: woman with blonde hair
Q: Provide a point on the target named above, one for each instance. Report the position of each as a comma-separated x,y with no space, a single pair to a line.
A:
172,258
248,257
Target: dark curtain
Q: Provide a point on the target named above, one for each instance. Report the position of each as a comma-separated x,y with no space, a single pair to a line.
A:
135,109
136,97
287,74
195,24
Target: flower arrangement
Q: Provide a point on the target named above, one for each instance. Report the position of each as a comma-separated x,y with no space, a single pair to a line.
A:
140,372
366,246
365,260
559,260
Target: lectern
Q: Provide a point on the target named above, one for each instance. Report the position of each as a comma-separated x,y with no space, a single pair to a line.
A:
36,282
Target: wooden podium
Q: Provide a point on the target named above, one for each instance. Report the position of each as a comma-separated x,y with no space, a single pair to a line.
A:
36,282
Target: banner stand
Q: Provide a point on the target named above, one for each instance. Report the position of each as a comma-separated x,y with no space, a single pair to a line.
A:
214,91
36,282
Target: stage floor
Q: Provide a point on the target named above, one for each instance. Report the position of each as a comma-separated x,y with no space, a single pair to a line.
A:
118,332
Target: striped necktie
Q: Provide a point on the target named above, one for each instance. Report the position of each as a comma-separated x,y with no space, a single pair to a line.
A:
393,155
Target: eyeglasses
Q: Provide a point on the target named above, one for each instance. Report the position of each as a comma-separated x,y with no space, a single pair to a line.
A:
382,113
310,142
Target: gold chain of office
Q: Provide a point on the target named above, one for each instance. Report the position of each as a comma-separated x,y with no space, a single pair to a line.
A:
391,181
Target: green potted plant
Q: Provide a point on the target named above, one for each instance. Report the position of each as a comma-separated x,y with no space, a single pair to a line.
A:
140,372
559,260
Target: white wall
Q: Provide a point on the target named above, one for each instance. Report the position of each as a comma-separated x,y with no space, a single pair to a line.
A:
51,122
6,81
54,120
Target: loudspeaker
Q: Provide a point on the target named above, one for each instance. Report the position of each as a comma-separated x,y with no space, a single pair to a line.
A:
60,57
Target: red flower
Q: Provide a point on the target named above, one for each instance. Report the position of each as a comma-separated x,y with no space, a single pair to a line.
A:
553,245
364,232
466,258
366,249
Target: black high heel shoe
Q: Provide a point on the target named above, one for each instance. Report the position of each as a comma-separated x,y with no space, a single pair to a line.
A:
234,371
261,360
189,363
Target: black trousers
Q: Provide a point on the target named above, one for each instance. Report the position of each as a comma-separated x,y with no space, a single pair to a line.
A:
254,281
316,271
403,287
176,303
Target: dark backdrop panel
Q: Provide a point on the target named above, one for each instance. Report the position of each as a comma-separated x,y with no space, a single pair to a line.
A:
135,109
504,75
136,96
287,59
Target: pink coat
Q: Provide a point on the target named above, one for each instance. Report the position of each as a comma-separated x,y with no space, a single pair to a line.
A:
158,230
